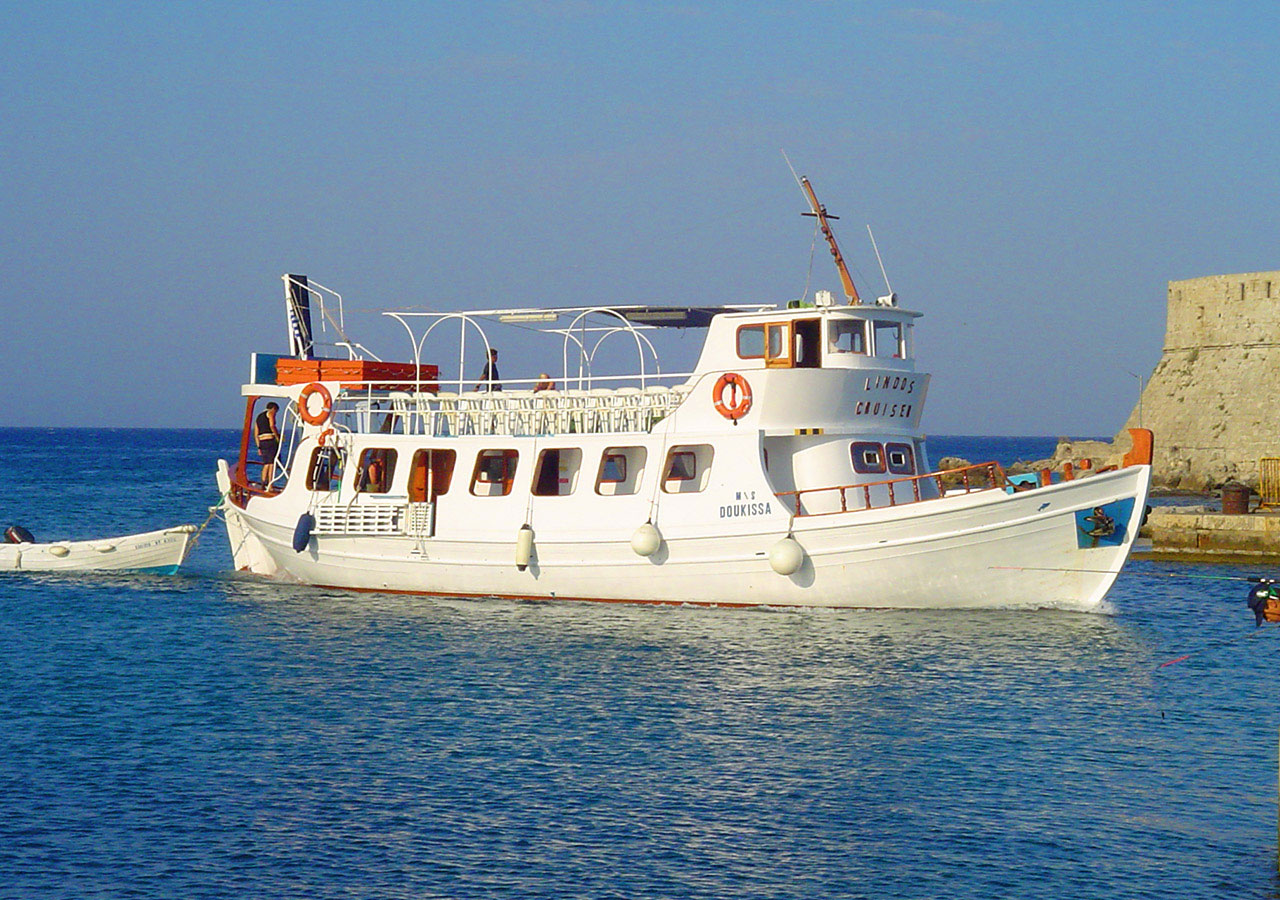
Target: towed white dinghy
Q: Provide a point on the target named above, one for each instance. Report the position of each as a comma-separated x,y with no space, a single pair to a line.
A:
159,552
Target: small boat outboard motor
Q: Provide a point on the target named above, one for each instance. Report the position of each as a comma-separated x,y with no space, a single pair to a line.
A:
16,534
1264,600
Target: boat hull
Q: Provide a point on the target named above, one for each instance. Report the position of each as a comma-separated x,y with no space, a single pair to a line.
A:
157,552
987,549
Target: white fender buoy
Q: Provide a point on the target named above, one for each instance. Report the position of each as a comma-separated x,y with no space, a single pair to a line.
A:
786,556
104,548
524,547
646,540
59,550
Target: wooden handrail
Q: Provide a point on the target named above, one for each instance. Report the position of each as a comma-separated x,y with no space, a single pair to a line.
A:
242,489
994,473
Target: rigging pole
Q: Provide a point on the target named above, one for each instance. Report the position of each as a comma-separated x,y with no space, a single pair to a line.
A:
820,213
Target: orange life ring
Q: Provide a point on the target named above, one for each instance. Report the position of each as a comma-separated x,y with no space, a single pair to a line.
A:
324,435
304,404
740,396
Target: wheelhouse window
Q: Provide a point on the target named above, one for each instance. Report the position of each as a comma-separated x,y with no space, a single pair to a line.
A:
889,340
750,342
900,459
376,471
620,471
868,458
777,345
557,472
846,335
687,469
494,473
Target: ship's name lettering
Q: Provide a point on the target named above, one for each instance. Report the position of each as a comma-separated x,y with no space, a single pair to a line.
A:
890,382
735,510
891,410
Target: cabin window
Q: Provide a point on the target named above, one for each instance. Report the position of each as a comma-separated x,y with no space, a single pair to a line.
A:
431,474
324,472
846,335
868,458
376,471
494,473
687,469
557,472
751,342
683,466
613,469
900,459
889,340
620,471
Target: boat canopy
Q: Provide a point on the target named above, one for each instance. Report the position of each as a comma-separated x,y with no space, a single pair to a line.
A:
643,315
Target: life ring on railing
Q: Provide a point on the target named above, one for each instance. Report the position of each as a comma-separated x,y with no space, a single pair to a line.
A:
740,396
325,435
304,404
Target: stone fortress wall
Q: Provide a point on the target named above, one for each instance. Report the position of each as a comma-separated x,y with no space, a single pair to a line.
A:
1213,400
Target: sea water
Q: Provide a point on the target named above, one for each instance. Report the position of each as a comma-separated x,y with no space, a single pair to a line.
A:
213,735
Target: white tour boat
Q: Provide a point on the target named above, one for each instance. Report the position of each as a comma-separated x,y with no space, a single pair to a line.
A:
787,469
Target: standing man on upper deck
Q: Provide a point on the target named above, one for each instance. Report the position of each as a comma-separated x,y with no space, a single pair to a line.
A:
266,434
489,376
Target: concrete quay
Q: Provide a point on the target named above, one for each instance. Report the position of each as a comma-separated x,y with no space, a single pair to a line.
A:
1205,533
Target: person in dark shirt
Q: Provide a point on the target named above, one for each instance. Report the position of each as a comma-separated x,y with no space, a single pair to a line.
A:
489,376
267,436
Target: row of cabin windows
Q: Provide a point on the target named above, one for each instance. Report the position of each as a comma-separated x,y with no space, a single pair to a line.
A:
556,474
773,341
871,458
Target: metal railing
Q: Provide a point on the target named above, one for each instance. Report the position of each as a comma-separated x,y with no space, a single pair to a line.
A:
970,479
452,413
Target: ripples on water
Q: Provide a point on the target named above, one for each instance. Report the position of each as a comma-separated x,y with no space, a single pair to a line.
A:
210,736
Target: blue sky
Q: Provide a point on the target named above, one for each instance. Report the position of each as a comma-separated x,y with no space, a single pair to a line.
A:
1034,172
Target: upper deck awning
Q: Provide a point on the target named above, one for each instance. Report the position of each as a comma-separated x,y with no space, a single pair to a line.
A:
639,315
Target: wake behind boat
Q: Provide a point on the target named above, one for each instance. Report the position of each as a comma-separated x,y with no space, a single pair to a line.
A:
158,552
787,468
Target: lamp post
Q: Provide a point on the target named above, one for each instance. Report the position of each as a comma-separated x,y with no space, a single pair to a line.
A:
1139,377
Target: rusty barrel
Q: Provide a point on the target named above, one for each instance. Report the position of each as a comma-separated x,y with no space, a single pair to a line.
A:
1235,498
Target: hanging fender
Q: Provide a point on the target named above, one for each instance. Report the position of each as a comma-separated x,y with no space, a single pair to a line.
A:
302,532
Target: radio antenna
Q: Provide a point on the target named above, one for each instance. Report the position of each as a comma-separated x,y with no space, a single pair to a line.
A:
885,274
889,299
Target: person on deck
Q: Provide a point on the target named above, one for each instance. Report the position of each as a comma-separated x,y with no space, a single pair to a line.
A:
544,383
489,376
266,435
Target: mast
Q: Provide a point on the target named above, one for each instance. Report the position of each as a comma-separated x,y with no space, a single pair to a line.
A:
820,212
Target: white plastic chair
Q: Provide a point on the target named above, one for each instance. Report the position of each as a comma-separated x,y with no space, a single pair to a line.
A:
627,402
445,414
